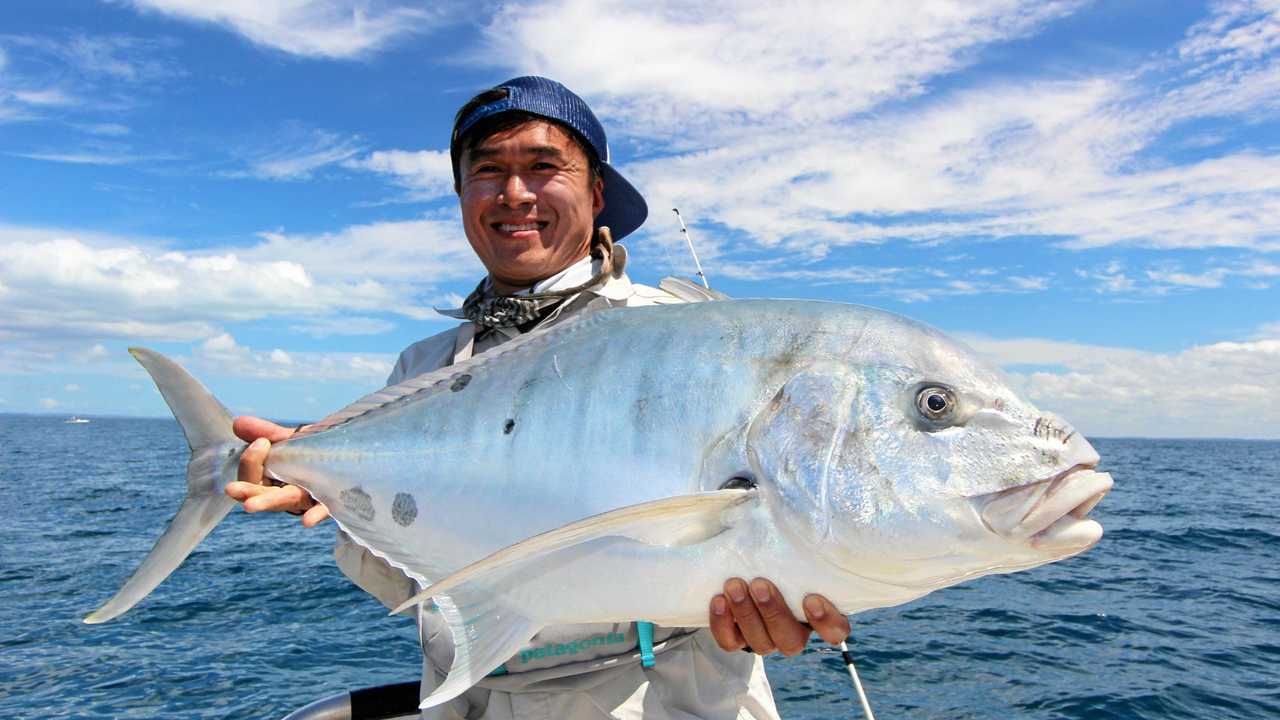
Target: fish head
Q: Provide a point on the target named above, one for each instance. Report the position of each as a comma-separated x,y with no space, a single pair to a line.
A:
911,461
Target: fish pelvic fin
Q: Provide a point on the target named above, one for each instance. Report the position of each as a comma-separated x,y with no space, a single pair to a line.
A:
215,454
486,633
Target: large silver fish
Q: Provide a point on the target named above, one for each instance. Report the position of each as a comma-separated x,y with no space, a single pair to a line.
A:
621,465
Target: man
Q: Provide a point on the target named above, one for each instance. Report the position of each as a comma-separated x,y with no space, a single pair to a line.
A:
531,170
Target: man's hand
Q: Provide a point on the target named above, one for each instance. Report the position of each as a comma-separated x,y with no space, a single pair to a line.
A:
757,617
252,490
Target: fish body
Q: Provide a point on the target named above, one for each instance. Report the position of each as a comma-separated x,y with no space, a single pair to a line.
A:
621,465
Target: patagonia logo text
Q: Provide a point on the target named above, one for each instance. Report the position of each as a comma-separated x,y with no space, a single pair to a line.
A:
571,648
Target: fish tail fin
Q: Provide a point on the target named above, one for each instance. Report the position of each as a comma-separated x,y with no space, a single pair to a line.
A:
215,454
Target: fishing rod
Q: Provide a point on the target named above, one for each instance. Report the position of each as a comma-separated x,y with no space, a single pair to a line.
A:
857,683
685,231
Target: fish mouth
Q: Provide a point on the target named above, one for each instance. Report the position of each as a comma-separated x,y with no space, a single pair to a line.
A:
1052,514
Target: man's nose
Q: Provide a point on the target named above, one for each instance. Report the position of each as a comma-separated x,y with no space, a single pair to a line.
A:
516,192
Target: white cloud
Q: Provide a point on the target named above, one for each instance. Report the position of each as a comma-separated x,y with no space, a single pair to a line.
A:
770,121
1224,389
1235,30
97,352
429,173
224,357
312,28
1210,279
68,287
71,387
49,403
668,66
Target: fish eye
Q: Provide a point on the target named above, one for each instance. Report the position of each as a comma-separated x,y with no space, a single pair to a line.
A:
935,402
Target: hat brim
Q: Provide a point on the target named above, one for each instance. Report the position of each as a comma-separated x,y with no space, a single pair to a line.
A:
624,207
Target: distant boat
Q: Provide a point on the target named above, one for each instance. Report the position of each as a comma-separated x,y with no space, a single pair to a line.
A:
74,420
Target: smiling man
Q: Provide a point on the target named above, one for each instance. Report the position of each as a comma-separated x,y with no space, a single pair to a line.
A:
541,206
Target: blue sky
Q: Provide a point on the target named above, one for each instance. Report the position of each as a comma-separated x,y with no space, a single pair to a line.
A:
1089,193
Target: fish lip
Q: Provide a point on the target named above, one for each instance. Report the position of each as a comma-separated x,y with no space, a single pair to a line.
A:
1049,510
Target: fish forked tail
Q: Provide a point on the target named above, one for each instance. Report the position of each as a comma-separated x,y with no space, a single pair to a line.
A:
215,454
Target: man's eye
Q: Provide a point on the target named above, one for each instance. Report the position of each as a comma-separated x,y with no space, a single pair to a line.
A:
544,166
481,169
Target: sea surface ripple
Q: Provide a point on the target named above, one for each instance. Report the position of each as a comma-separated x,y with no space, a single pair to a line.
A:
1176,613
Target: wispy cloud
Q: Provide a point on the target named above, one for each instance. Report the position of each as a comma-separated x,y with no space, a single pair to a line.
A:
107,129
347,325
1163,277
312,28
83,158
306,152
78,75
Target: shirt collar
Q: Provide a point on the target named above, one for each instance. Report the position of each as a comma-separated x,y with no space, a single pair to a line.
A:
618,288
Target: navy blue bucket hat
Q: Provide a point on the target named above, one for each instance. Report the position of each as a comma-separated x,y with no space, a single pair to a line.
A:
624,207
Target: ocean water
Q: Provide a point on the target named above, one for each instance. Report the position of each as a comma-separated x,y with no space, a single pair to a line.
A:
1175,614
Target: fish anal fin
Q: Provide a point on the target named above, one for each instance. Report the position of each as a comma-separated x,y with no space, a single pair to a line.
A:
674,521
486,634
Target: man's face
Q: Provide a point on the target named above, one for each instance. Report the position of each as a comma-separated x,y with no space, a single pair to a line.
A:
528,207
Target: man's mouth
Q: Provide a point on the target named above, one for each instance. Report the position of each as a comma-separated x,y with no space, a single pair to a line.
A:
517,228
1051,514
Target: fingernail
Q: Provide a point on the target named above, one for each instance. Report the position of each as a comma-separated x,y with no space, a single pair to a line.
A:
813,606
737,592
717,605
760,590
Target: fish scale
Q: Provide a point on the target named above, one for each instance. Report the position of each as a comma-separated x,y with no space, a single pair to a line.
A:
579,473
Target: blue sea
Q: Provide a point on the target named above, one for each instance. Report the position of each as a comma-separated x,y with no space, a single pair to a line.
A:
1175,614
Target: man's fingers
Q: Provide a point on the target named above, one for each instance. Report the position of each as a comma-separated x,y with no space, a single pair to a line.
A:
788,634
249,428
747,617
826,620
723,628
316,515
289,498
251,461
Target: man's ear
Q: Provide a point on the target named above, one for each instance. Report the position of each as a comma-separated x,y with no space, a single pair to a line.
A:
597,197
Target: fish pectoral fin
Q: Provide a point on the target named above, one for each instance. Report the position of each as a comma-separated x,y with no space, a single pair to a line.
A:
674,521
487,632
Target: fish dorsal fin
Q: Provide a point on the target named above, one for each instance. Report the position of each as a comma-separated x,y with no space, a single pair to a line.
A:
444,376
487,632
689,291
